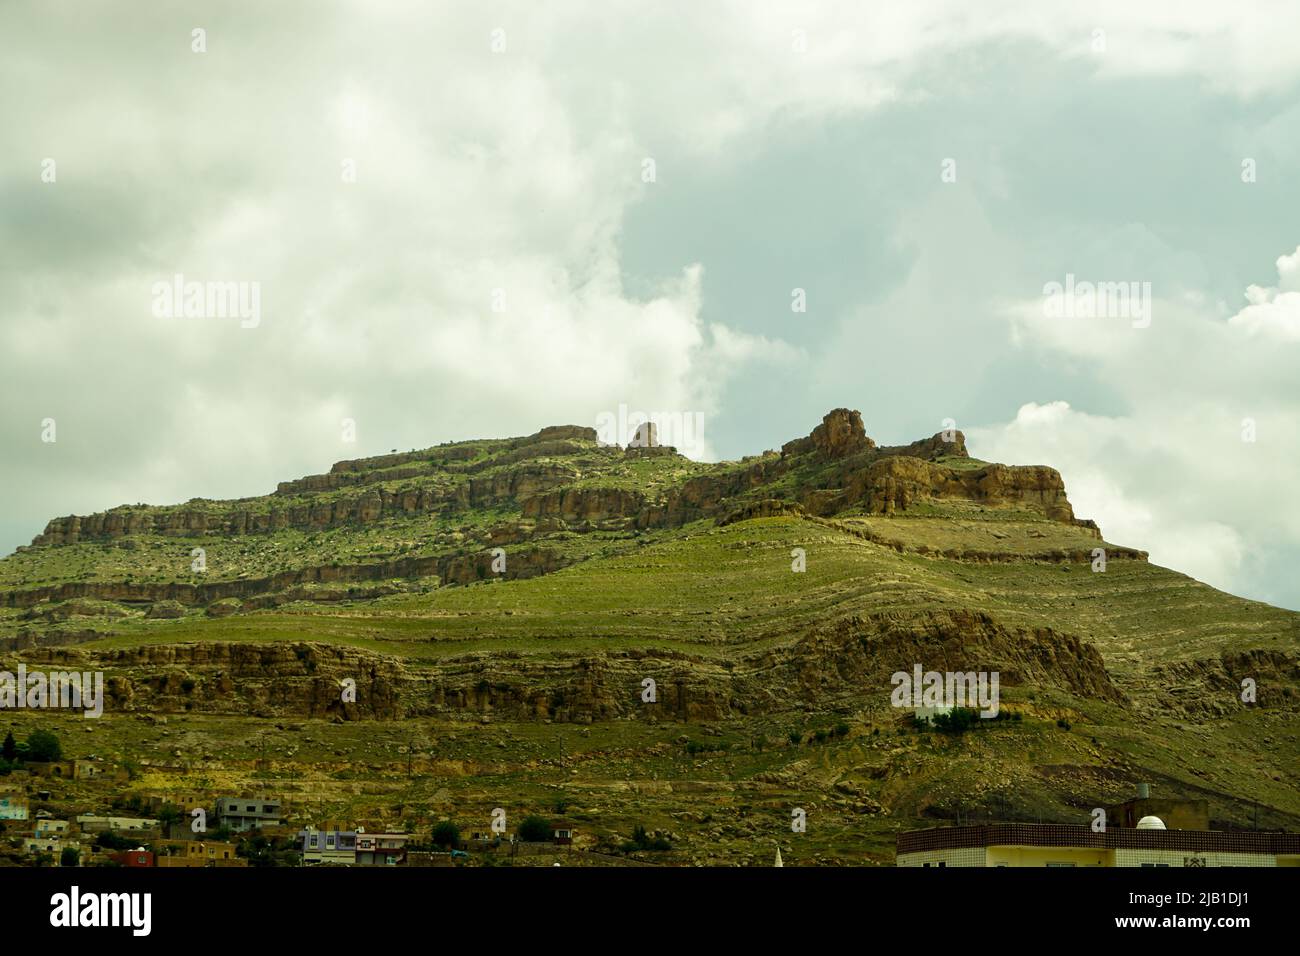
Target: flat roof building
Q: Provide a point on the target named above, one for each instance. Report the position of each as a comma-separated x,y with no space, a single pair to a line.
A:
381,849
241,814
1051,844
328,846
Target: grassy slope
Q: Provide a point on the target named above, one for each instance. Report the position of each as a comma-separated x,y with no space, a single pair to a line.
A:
715,590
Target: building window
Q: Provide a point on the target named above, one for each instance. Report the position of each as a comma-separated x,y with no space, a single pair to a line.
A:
1060,864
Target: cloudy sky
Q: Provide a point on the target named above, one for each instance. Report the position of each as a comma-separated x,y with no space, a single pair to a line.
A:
475,219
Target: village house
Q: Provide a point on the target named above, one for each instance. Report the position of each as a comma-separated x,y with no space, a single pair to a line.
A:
65,769
184,800
381,849
338,847
13,806
196,853
50,844
133,858
94,824
242,814
46,828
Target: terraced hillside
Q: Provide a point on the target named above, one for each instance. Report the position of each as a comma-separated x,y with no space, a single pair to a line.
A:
501,606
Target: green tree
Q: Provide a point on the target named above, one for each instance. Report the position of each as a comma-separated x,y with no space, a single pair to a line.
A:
43,747
446,834
534,829
70,857
169,815
10,751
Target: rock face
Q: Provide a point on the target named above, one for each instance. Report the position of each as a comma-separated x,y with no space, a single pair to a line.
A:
166,610
585,504
852,656
938,445
462,568
537,475
841,434
895,483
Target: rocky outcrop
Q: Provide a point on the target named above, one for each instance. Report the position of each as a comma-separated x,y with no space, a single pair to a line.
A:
166,610
852,659
840,434
766,508
460,568
501,487
1213,687
585,504
936,446
895,483
536,474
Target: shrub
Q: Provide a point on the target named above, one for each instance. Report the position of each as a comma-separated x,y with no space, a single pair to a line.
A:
957,721
70,857
534,829
796,737
43,747
841,729
446,834
641,840
108,840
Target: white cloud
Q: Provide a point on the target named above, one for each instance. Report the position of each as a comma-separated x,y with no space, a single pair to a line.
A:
1172,473
478,171
1141,496
1275,310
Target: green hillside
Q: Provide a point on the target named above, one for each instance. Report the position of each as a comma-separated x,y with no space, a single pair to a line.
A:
500,606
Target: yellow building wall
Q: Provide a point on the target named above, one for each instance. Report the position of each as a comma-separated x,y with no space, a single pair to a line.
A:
1181,857
1043,855
970,856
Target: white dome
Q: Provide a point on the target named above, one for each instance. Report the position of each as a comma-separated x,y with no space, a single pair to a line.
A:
1151,823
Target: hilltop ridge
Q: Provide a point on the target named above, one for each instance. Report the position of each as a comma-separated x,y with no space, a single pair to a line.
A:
564,472
491,597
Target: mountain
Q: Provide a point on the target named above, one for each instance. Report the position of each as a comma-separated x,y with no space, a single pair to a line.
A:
550,624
